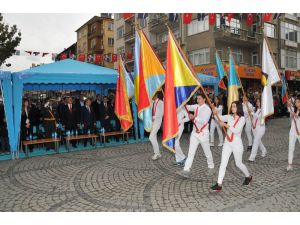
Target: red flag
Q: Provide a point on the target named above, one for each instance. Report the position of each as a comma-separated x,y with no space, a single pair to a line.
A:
81,57
229,16
187,17
63,56
44,54
114,57
122,106
212,18
98,58
29,52
129,55
267,17
127,15
249,19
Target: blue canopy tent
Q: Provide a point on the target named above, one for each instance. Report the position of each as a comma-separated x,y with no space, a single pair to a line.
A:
208,80
6,88
62,75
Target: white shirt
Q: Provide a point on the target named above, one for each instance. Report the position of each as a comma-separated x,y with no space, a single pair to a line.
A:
220,111
202,117
257,116
245,109
237,130
158,109
182,116
297,120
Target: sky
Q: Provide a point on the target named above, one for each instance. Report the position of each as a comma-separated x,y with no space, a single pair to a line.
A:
51,32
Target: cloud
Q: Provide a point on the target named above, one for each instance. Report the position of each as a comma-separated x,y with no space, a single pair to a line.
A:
49,32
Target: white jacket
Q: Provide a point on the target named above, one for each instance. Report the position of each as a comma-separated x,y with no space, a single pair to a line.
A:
202,116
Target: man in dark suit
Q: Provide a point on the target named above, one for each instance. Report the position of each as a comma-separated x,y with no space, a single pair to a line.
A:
70,118
88,119
106,113
96,106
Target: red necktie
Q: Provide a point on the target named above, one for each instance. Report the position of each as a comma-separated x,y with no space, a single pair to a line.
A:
71,108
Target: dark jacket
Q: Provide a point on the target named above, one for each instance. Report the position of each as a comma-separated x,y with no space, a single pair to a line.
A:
108,111
96,106
87,117
70,119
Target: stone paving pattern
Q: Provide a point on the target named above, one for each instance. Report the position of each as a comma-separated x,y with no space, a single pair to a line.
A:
125,178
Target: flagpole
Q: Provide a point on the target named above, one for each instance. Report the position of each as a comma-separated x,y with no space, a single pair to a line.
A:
195,75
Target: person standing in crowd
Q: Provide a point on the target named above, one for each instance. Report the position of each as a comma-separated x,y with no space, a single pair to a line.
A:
26,128
258,129
233,143
214,124
88,119
49,122
71,118
248,110
157,115
182,117
200,135
59,109
294,134
106,114
96,106
4,134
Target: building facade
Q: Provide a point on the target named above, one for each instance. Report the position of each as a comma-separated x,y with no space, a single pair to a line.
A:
97,37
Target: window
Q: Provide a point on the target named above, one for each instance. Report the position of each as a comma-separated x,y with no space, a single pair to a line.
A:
93,43
143,23
121,51
291,59
93,28
196,26
200,57
177,33
118,16
255,59
110,42
269,30
120,32
237,55
290,32
164,37
111,26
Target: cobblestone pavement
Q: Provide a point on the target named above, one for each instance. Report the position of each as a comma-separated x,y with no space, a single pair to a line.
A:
125,178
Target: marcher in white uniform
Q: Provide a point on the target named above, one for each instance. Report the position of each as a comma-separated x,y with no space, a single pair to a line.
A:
258,130
294,131
182,117
200,135
248,120
233,143
214,124
157,115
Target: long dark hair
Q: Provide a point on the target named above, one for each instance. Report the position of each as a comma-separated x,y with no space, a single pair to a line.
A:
297,98
239,107
220,101
258,99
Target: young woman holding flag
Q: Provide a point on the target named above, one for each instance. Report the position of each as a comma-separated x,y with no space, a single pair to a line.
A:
214,124
294,131
258,130
233,143
248,110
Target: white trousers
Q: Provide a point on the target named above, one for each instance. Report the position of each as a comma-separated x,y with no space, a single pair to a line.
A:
292,142
258,134
179,155
213,126
195,140
248,129
235,147
153,135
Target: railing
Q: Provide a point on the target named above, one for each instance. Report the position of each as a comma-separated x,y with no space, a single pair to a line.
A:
95,33
129,35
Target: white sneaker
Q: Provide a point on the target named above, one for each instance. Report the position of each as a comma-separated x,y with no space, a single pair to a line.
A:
220,145
264,154
211,144
156,156
289,167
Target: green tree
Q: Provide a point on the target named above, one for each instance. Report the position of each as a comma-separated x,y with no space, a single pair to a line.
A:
10,38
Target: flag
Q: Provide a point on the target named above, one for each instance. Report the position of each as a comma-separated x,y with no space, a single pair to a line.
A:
187,17
173,17
44,54
36,53
212,18
284,91
114,57
81,57
271,73
29,52
122,106
249,19
129,55
17,52
136,75
128,81
63,56
233,83
180,85
277,16
127,15
267,17
142,15
220,72
98,58
229,16
149,78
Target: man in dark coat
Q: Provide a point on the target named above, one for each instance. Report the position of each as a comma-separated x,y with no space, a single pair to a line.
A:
88,119
96,106
71,118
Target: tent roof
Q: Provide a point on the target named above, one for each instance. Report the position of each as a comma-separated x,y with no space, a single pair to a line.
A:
4,75
68,71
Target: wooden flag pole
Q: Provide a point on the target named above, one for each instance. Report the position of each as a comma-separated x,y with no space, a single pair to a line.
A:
195,75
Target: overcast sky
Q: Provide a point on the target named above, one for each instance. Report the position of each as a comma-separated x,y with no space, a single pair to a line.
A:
43,33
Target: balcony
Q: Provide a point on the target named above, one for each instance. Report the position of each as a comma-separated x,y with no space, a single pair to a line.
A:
237,36
129,36
95,33
158,24
96,49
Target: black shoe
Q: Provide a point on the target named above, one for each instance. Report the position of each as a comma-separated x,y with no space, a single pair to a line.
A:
216,188
247,180
249,148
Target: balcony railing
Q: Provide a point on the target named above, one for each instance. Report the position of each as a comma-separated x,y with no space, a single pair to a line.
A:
94,33
129,35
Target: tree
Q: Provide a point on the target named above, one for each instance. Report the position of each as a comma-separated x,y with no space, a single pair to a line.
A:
10,38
